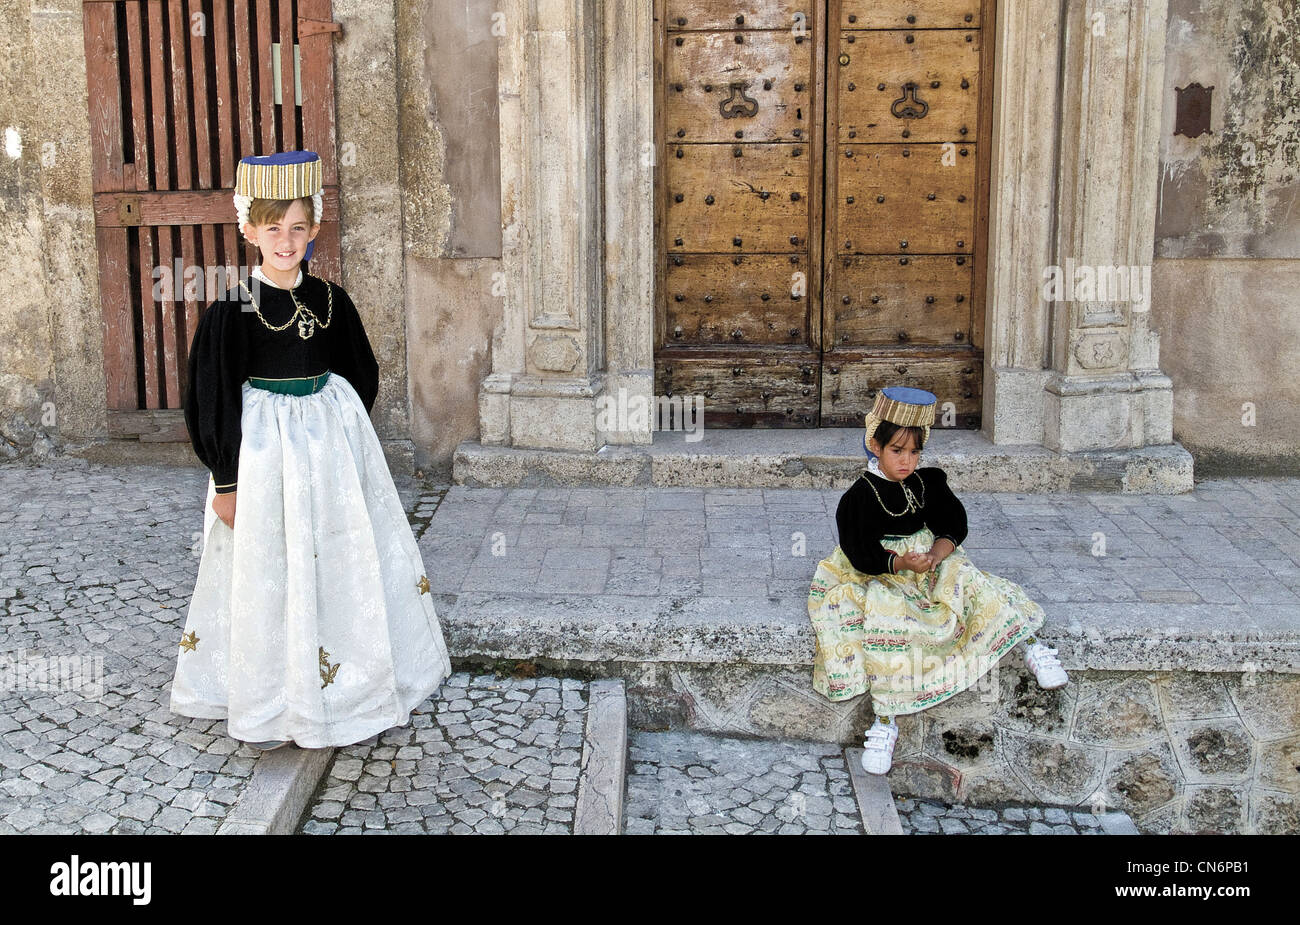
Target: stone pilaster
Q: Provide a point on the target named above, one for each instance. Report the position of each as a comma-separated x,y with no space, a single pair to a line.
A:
630,153
1022,202
1105,389
549,353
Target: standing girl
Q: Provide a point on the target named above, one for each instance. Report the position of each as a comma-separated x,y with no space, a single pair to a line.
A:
898,608
311,620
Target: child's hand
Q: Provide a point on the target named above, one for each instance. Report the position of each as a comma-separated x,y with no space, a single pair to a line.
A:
224,507
913,562
941,550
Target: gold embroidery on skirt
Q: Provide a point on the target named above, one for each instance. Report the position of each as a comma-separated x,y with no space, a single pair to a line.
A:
189,641
327,671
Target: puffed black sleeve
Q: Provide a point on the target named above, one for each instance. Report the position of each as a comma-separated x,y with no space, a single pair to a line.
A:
860,531
944,513
350,353
214,401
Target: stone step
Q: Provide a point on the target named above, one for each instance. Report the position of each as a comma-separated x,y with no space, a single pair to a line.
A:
822,458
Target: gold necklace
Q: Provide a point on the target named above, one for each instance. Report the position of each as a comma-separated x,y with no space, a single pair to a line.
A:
912,503
307,320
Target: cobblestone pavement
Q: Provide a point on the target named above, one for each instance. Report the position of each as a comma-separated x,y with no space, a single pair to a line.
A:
96,568
930,817
485,756
1231,541
683,783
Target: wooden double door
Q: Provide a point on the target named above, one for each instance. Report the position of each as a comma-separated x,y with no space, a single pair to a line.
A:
822,191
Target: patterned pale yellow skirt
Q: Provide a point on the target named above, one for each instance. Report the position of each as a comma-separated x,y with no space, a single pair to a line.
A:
912,640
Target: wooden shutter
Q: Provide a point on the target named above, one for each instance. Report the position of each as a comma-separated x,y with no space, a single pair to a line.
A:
179,91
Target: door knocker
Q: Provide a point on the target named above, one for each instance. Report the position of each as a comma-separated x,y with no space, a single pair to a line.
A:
902,107
745,106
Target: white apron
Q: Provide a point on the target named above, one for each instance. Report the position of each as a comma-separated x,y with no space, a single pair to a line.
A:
310,621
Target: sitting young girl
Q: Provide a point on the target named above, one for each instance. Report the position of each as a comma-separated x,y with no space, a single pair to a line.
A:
898,608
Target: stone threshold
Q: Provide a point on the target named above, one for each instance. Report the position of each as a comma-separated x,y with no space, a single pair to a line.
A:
821,458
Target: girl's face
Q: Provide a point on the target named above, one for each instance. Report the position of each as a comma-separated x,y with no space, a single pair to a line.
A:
284,243
899,457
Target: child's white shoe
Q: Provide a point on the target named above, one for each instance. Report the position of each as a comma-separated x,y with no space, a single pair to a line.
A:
1042,661
878,747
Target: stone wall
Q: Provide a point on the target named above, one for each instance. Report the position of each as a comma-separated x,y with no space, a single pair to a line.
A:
1228,236
450,153
51,354
1180,752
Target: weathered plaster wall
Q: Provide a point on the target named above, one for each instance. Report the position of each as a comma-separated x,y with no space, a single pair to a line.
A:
1227,267
51,354
370,195
449,153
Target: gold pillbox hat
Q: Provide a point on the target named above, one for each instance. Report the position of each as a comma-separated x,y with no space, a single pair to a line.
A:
903,406
288,175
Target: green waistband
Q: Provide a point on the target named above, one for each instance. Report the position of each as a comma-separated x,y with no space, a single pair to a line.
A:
307,385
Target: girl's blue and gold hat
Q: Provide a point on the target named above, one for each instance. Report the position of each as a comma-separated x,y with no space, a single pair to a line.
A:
906,407
285,175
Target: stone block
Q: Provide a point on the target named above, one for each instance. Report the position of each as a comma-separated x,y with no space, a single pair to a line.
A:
1279,765
1213,750
1057,771
1119,712
1144,779
1209,810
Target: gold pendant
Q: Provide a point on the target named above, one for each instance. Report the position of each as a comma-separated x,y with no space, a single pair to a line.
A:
306,327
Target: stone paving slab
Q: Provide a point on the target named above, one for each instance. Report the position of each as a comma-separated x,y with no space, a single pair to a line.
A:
932,817
485,755
1205,581
97,564
684,783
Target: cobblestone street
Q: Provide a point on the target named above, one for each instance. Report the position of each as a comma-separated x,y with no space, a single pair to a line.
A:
487,756
692,784
930,817
96,568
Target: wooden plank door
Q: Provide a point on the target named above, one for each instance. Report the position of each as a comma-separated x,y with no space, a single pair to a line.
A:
906,156
179,91
740,199
845,138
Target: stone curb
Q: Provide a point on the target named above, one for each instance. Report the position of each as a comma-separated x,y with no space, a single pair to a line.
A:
875,799
604,761
282,784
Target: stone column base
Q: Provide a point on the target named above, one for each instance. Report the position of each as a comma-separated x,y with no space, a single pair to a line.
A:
550,414
1121,411
1013,408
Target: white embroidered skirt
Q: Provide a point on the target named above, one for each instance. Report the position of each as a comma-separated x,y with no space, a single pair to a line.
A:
310,620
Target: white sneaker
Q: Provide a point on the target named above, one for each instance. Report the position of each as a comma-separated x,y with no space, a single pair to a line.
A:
1042,661
878,747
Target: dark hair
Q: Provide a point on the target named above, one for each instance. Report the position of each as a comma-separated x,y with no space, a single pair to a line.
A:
886,430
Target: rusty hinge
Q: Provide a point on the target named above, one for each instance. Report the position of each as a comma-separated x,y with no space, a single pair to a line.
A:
308,27
128,210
